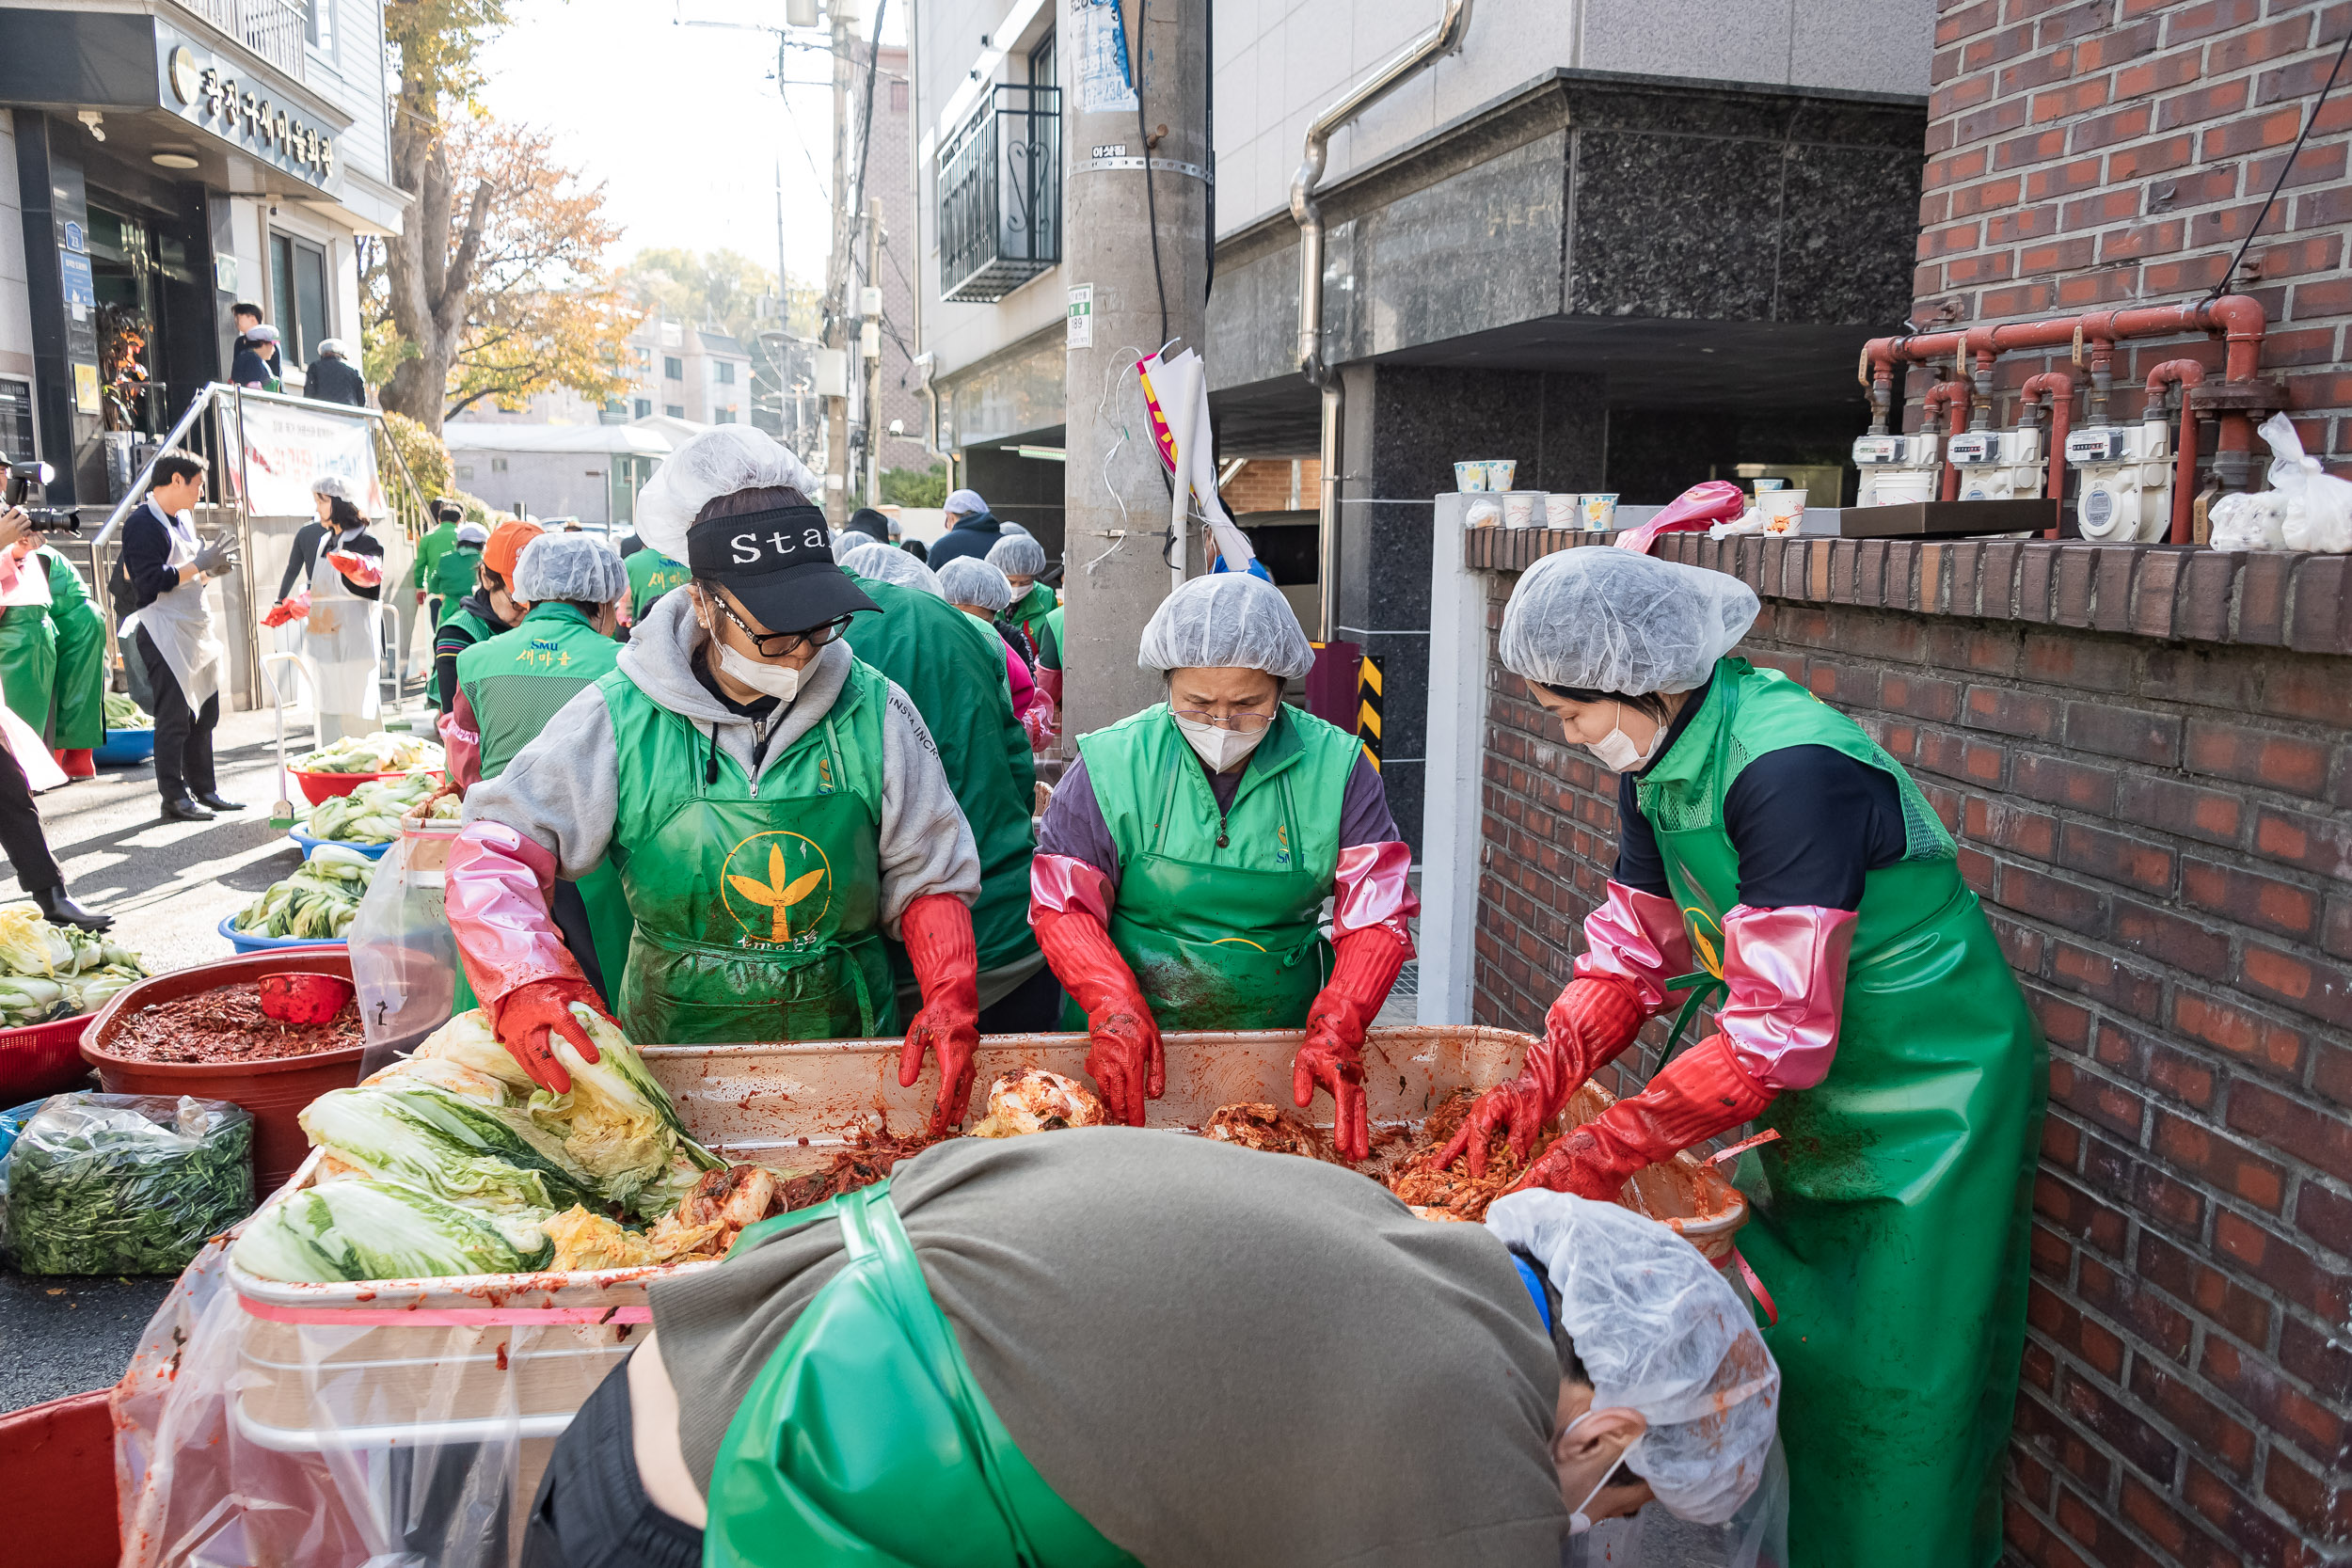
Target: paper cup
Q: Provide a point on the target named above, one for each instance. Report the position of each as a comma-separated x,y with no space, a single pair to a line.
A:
1522,508
1500,472
1601,510
1764,485
1563,509
1469,478
1783,511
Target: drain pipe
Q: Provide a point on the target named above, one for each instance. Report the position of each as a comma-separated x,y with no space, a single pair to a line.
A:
1442,38
923,363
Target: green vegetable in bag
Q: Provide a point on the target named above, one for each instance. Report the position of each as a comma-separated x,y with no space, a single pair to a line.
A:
114,1183
368,1230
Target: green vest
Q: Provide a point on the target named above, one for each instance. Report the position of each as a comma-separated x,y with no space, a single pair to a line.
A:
757,902
479,629
953,669
518,680
1029,611
453,576
437,542
1049,645
651,573
1891,1219
1219,916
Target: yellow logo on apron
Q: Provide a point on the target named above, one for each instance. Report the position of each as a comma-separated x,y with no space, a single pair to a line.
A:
778,886
1706,938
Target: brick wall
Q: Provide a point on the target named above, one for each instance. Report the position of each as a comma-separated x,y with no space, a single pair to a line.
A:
2158,825
2116,152
1264,485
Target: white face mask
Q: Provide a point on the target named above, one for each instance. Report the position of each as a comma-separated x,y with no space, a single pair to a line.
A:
1579,1522
780,681
1616,751
1220,748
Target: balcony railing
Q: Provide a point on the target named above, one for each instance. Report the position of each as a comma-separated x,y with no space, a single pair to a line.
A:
274,29
1000,195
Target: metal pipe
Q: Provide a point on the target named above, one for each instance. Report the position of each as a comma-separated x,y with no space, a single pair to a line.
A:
1442,38
924,363
2060,387
2187,373
138,492
1954,393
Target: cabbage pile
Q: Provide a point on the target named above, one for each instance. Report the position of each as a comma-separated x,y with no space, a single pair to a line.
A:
319,901
379,752
48,971
372,813
453,1162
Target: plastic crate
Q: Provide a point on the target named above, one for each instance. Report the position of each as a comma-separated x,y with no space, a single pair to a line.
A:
41,1058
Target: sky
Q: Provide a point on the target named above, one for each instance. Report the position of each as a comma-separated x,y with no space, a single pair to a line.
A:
682,122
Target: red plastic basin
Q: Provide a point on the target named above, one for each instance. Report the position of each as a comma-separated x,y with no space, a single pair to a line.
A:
59,1459
41,1058
326,787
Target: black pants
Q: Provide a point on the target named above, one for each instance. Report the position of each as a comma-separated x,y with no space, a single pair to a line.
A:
20,838
184,737
591,1511
1031,1007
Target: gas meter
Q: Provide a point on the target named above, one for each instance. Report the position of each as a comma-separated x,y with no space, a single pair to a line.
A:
1998,465
1897,470
2126,488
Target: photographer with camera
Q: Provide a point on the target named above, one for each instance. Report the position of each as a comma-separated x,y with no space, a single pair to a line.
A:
177,642
22,763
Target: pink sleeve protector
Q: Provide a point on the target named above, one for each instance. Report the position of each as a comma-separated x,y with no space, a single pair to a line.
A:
1637,937
1060,882
1024,688
461,742
1371,890
1785,973
497,899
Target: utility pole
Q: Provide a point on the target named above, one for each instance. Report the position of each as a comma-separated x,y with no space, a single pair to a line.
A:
1142,252
869,344
837,499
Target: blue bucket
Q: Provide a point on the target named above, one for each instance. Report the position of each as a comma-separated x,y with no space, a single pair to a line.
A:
122,748
245,944
310,845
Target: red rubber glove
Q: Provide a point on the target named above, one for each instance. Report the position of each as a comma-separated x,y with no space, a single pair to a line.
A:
1700,1093
526,1013
1594,1021
367,571
1332,1056
937,930
1123,1057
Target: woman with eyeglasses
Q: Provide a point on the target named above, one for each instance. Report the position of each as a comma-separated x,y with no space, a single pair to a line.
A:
1183,865
774,807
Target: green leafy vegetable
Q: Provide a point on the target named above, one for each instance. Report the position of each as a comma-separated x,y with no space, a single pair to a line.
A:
320,899
368,1230
413,1130
107,1183
124,714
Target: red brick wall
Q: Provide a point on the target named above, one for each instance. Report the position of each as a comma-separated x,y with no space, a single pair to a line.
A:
1263,485
2159,829
2116,152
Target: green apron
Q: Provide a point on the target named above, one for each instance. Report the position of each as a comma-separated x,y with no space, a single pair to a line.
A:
1219,917
952,667
1891,1219
81,679
457,574
518,681
1049,645
651,573
438,541
28,660
1030,610
866,1442
757,902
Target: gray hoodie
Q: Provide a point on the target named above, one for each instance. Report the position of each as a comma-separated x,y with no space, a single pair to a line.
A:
562,789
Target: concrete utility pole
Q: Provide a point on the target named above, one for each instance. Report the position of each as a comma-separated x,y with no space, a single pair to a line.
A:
1114,500
869,344
837,499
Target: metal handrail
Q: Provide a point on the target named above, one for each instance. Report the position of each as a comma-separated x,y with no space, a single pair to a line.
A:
139,486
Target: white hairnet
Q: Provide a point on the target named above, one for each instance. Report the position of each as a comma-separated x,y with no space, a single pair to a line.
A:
1611,620
969,581
718,462
966,502
472,533
579,567
847,543
334,487
1228,621
1661,1332
1007,527
332,348
888,563
1017,555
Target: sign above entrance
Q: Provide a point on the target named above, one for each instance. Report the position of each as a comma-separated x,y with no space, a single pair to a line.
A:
208,94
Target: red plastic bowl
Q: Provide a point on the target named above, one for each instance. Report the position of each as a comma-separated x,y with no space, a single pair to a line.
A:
37,1059
304,996
59,1459
275,1091
326,787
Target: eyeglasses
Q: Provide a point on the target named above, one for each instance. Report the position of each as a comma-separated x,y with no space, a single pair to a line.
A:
785,641
1245,722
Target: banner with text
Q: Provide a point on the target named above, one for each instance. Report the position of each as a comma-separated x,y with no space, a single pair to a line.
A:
288,446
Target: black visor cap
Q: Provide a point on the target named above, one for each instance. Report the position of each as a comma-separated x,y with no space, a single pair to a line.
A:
779,566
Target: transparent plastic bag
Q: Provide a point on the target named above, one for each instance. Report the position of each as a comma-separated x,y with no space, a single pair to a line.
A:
124,1183
2318,515
2247,521
403,956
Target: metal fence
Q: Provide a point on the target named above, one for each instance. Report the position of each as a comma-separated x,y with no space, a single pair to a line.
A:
274,29
1000,195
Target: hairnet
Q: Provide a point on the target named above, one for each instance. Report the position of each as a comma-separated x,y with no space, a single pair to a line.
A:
1006,526
969,581
718,462
967,501
1661,1333
889,563
1609,620
847,542
1017,555
472,533
332,348
579,567
334,487
1227,622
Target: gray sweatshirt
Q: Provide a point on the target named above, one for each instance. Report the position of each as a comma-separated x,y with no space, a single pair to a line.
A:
562,791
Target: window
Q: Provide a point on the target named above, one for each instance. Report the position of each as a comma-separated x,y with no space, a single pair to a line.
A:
497,465
644,407
724,416
673,368
675,410
298,296
726,373
1041,64
464,470
318,23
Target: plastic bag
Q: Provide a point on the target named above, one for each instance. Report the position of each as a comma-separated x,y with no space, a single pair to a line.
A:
403,956
13,1122
2318,514
2248,521
126,1183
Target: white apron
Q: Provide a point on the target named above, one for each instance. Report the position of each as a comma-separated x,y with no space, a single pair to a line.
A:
345,638
180,623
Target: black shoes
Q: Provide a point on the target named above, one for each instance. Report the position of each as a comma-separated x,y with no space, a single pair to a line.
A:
181,809
211,800
59,909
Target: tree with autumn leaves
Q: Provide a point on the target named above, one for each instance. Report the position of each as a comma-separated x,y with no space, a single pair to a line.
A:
496,287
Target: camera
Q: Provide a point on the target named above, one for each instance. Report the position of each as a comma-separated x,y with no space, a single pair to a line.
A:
41,519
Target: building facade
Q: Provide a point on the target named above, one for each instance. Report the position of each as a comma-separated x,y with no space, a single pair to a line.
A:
163,160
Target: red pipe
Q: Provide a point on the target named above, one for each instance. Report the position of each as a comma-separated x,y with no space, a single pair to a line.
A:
2238,316
2188,372
1956,394
2060,387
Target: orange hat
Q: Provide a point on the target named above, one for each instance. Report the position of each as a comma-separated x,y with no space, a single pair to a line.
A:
506,547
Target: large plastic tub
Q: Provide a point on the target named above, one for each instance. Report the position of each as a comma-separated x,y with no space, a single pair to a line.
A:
326,787
124,748
41,1058
246,945
58,1458
275,1091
